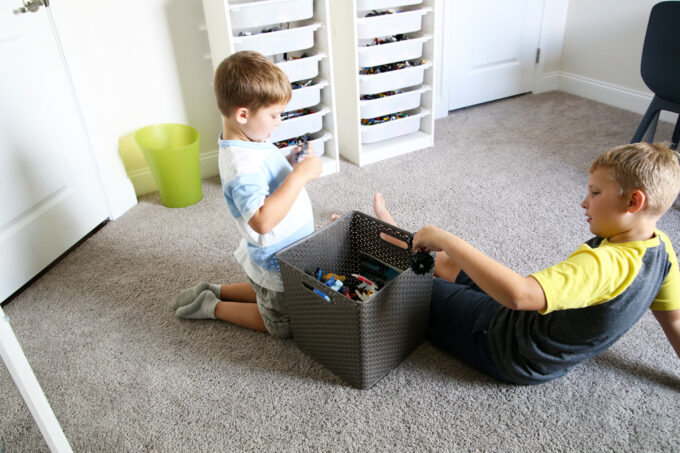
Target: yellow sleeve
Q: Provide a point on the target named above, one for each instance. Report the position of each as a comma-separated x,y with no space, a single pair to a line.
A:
587,277
669,294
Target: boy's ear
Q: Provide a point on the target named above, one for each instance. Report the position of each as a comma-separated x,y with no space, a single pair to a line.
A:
241,115
636,200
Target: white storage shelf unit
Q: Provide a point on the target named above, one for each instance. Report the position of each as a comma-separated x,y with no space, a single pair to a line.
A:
352,30
305,36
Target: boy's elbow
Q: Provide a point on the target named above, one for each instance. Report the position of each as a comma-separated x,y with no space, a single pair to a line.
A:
529,297
258,226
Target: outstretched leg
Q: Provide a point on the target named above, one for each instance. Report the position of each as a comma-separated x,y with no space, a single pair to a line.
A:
444,267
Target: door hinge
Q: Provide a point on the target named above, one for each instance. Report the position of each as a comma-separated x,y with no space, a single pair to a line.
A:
538,55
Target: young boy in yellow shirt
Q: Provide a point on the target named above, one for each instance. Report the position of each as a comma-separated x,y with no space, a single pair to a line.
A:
528,330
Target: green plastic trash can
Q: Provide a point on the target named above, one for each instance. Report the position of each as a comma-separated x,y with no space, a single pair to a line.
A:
171,150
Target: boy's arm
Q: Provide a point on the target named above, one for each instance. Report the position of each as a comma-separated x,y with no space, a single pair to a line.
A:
504,285
670,323
277,205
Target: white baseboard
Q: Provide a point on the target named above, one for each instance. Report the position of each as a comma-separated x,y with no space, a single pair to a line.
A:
143,182
597,90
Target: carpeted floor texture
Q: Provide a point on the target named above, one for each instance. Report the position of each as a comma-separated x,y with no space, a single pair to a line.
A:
123,374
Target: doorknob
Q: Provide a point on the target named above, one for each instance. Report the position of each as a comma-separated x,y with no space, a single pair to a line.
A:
31,6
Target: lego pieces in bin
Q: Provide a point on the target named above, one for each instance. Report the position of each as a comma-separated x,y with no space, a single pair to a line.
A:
379,13
368,97
296,113
355,287
390,66
383,119
297,141
389,39
301,84
268,30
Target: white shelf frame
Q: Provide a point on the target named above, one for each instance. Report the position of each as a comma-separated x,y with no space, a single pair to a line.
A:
344,38
220,36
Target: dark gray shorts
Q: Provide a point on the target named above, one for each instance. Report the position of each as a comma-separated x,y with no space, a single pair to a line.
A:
273,311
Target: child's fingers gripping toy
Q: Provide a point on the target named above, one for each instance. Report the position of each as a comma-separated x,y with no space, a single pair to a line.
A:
304,146
421,262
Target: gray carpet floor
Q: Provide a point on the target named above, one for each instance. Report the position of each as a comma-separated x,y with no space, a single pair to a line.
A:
123,374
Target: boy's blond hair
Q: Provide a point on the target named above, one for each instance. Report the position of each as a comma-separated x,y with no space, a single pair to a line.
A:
248,79
651,168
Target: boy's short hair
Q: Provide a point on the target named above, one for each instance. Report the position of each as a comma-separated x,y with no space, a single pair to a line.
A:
248,79
651,168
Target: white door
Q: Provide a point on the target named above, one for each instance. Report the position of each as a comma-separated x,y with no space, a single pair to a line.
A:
50,192
490,48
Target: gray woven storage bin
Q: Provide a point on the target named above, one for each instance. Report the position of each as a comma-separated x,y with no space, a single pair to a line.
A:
358,341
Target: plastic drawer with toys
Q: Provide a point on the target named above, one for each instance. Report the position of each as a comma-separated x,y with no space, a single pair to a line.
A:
317,142
249,14
392,80
393,127
385,23
369,5
301,67
280,41
306,94
360,340
391,101
308,121
389,52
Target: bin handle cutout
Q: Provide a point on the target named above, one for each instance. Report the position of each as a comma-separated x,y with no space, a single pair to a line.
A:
394,241
317,292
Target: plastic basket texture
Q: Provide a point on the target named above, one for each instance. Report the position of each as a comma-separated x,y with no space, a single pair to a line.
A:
358,341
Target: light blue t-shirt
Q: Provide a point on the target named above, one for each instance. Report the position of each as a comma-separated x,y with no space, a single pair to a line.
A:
250,172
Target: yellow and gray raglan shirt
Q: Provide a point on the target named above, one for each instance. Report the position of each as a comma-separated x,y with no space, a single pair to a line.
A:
593,298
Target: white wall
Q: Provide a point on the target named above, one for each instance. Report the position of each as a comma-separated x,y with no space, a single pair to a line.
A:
601,54
136,63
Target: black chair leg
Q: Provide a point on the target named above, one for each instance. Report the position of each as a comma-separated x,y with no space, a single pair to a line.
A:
676,135
650,118
651,132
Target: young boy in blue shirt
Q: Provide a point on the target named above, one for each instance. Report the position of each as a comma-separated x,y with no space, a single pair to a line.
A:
265,195
528,330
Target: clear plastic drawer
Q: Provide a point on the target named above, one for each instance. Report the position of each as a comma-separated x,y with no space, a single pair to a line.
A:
276,42
303,68
395,128
368,5
407,100
391,24
306,96
390,52
306,124
392,80
268,12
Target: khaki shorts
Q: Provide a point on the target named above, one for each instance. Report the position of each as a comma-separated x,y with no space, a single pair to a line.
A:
273,311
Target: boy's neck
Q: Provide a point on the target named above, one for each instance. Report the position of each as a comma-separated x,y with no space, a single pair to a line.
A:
639,231
231,131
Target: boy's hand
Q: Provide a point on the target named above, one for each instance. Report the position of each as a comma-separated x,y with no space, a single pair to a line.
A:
429,237
309,168
299,153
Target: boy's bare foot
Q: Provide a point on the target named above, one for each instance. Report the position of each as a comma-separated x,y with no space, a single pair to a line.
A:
381,212
334,217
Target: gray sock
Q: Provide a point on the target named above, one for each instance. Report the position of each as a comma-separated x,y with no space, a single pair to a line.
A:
201,308
189,295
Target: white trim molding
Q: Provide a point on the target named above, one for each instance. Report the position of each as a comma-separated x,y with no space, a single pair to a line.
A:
597,90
